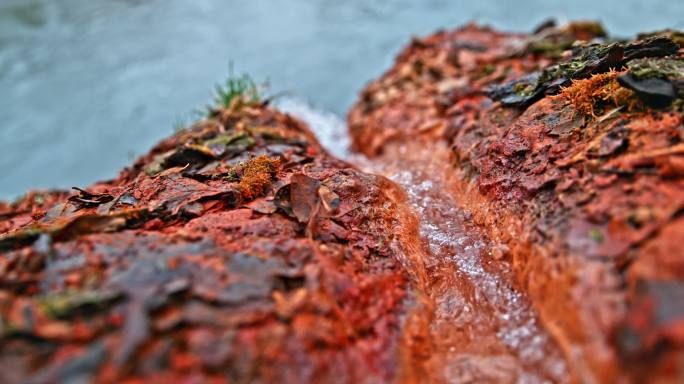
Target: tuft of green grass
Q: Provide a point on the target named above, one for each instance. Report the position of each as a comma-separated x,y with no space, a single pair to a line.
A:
234,93
236,90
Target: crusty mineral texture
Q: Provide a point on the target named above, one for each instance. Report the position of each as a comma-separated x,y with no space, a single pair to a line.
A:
538,239
235,251
568,147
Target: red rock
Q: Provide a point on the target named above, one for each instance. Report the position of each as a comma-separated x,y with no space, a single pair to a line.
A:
589,206
194,266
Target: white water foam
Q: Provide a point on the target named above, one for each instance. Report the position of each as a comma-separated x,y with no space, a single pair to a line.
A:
329,128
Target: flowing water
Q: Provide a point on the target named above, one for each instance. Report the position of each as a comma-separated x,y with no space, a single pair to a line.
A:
88,85
482,329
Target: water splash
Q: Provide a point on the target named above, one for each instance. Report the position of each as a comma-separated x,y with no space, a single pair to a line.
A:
329,128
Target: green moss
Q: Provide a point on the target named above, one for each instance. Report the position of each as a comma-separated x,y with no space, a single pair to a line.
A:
524,89
230,139
667,69
570,69
519,87
488,69
596,235
567,69
64,304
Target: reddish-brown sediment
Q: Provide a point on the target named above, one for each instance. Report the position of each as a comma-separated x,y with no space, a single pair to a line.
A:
535,239
583,186
235,251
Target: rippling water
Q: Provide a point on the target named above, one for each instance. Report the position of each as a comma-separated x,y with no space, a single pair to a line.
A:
85,86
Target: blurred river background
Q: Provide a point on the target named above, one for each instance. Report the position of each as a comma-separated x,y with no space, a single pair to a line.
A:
88,85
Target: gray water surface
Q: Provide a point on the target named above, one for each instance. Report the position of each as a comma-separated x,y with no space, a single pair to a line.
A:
87,85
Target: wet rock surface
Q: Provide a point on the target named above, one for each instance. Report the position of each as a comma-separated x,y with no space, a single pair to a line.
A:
235,251
567,148
517,219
